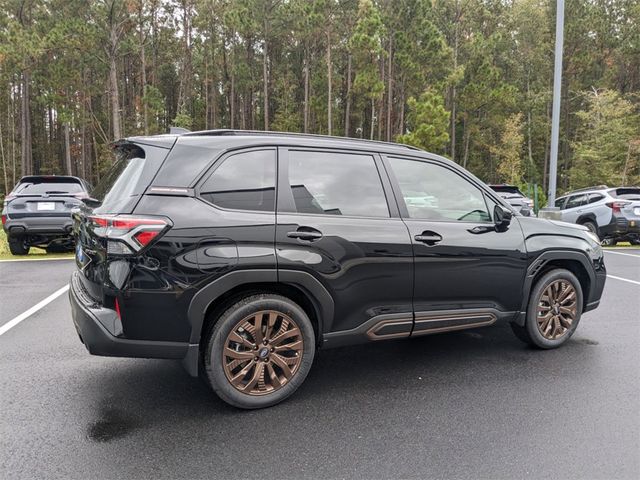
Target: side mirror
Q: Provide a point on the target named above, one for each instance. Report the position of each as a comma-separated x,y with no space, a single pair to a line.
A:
502,217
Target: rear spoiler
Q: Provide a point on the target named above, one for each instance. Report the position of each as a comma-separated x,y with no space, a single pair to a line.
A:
50,178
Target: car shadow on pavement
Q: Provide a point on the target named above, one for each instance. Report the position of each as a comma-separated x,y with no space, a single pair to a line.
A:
141,394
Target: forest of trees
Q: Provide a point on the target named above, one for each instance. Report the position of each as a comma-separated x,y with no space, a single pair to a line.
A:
470,79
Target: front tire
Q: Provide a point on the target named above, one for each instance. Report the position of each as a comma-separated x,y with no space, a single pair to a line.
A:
591,226
18,245
259,351
554,311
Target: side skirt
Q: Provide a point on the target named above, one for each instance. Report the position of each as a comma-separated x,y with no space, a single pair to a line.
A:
383,327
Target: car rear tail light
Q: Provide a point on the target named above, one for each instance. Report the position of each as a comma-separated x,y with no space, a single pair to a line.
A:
128,234
616,206
4,219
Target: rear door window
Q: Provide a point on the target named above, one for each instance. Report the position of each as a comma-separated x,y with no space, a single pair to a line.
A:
244,181
336,183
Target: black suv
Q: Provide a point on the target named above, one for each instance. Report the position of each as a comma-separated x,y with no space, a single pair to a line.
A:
38,212
241,253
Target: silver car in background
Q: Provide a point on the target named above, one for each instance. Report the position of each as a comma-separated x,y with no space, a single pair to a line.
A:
514,197
611,213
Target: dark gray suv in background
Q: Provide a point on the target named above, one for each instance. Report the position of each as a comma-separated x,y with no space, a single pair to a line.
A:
38,212
241,253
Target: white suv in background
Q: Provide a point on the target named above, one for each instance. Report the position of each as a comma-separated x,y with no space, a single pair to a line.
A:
612,213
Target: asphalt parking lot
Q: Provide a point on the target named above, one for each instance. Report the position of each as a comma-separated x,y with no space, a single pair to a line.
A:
475,404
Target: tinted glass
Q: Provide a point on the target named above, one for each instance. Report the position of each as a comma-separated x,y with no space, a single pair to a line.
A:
560,202
51,188
120,188
595,197
433,192
244,181
336,184
576,201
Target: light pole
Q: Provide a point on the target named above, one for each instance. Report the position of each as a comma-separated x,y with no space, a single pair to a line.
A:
555,118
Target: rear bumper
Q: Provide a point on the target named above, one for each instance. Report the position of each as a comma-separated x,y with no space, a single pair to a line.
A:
621,226
98,326
39,225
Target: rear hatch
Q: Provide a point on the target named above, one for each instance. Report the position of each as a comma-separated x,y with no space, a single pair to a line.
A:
629,201
108,236
45,196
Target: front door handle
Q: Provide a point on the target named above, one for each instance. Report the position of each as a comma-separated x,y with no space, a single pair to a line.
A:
306,233
428,237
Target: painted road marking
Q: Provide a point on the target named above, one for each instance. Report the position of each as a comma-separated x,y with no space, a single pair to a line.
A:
623,279
34,259
12,323
625,254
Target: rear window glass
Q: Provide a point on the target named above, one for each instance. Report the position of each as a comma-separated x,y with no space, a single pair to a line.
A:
506,189
51,188
626,193
127,178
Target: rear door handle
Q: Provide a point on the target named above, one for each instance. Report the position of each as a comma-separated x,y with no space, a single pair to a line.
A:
430,238
306,233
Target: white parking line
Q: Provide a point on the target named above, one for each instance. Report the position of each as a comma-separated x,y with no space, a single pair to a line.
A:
620,253
624,279
43,259
12,323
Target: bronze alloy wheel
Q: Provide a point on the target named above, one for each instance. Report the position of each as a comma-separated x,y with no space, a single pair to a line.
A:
262,352
557,309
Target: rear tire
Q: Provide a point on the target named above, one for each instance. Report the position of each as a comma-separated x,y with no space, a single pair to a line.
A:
18,245
635,241
554,310
609,242
248,364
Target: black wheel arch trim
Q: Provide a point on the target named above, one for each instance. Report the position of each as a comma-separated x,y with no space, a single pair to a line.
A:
587,217
538,264
310,286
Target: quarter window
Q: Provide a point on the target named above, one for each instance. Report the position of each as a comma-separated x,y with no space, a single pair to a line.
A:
336,184
244,181
433,192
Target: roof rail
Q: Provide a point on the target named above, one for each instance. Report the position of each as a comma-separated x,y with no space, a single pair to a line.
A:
585,189
231,132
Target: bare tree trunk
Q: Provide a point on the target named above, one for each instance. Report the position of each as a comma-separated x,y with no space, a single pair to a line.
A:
67,149
467,138
381,100
25,126
453,88
347,108
624,170
143,71
115,99
265,77
329,85
232,100
373,116
390,89
529,141
306,89
4,163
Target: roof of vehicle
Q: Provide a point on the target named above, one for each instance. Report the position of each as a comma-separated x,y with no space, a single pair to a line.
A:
227,138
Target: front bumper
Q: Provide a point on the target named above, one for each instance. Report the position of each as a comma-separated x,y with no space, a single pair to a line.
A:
98,326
